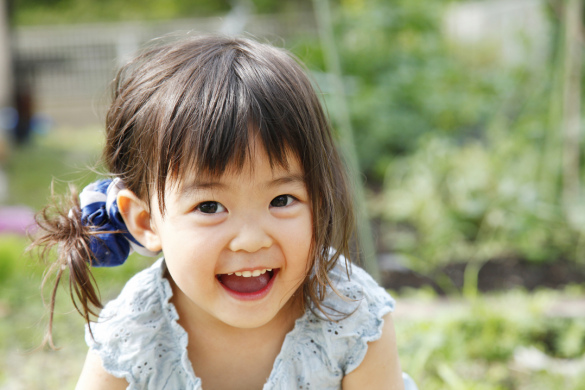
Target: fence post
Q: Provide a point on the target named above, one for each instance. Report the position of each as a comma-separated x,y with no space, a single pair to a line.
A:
342,118
6,87
573,46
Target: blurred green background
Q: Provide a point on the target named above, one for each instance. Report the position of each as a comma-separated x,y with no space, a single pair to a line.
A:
466,122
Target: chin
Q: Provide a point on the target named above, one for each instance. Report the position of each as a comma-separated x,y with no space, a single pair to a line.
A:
252,320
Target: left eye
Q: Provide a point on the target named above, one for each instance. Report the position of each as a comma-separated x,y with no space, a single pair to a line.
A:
210,207
282,201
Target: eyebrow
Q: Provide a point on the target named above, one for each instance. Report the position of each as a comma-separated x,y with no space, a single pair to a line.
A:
286,179
198,185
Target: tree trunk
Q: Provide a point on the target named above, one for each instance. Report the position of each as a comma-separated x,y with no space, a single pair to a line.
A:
572,103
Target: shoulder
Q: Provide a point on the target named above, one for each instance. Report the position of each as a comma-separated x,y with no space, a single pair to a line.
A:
360,290
137,336
380,366
142,297
95,377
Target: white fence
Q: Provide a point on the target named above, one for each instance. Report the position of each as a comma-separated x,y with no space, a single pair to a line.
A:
69,67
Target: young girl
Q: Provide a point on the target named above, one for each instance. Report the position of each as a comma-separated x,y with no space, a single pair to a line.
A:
222,159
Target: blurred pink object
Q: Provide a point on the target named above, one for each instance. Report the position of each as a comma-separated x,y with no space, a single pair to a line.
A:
17,219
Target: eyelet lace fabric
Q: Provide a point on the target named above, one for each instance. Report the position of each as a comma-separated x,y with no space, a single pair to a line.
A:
138,337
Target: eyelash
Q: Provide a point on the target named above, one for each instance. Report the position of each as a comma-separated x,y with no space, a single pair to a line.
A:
289,197
289,200
203,204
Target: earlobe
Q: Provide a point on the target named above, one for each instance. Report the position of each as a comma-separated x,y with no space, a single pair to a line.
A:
138,220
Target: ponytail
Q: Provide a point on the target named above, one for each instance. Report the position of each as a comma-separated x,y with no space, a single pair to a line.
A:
87,230
60,224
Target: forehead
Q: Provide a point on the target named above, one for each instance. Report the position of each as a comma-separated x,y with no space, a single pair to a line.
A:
258,168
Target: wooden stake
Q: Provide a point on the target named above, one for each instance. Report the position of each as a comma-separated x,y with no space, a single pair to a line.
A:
341,114
572,103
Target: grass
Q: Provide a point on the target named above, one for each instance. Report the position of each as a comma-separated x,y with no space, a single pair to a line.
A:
22,324
59,157
23,320
54,159
496,341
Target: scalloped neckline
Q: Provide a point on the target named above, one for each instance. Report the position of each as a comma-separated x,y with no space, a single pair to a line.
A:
172,316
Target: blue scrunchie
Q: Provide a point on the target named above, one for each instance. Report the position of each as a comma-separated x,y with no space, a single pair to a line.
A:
99,211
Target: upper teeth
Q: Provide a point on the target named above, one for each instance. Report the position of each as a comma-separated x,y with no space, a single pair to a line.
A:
247,274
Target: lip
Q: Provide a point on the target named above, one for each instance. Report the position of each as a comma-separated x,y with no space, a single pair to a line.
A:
253,295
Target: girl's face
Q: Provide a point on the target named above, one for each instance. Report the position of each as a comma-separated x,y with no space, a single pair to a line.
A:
237,246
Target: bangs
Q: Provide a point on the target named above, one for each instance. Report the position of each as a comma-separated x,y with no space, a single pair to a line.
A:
238,101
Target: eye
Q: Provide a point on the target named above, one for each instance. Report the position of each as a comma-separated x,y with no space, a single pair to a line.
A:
210,208
282,201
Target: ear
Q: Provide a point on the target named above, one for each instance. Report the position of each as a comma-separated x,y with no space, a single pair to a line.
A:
138,220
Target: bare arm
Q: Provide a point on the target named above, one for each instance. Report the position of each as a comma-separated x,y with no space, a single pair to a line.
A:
94,377
380,368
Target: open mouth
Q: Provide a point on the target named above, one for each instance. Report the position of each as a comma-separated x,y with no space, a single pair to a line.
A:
248,282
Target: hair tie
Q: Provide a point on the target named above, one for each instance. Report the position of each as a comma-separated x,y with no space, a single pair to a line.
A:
99,211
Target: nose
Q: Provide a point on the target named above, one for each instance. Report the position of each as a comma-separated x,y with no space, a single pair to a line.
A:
250,237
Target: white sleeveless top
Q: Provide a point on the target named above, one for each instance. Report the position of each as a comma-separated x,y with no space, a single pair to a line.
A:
138,337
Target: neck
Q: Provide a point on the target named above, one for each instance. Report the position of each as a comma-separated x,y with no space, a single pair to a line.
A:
215,346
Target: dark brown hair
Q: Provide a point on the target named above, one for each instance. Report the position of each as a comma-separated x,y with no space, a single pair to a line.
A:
195,104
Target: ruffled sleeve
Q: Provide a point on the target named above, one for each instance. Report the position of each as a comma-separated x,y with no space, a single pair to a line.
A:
138,338
368,303
324,347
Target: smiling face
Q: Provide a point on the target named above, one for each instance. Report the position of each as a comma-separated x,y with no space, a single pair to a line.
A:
237,246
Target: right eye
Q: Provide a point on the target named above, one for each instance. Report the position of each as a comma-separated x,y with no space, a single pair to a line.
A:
210,207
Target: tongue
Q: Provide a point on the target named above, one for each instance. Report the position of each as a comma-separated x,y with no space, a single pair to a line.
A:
245,285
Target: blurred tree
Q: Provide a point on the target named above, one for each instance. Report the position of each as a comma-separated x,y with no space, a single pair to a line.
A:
501,177
82,11
403,79
29,12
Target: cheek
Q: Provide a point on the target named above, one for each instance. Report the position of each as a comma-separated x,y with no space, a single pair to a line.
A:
307,231
299,237
191,265
188,235
189,249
